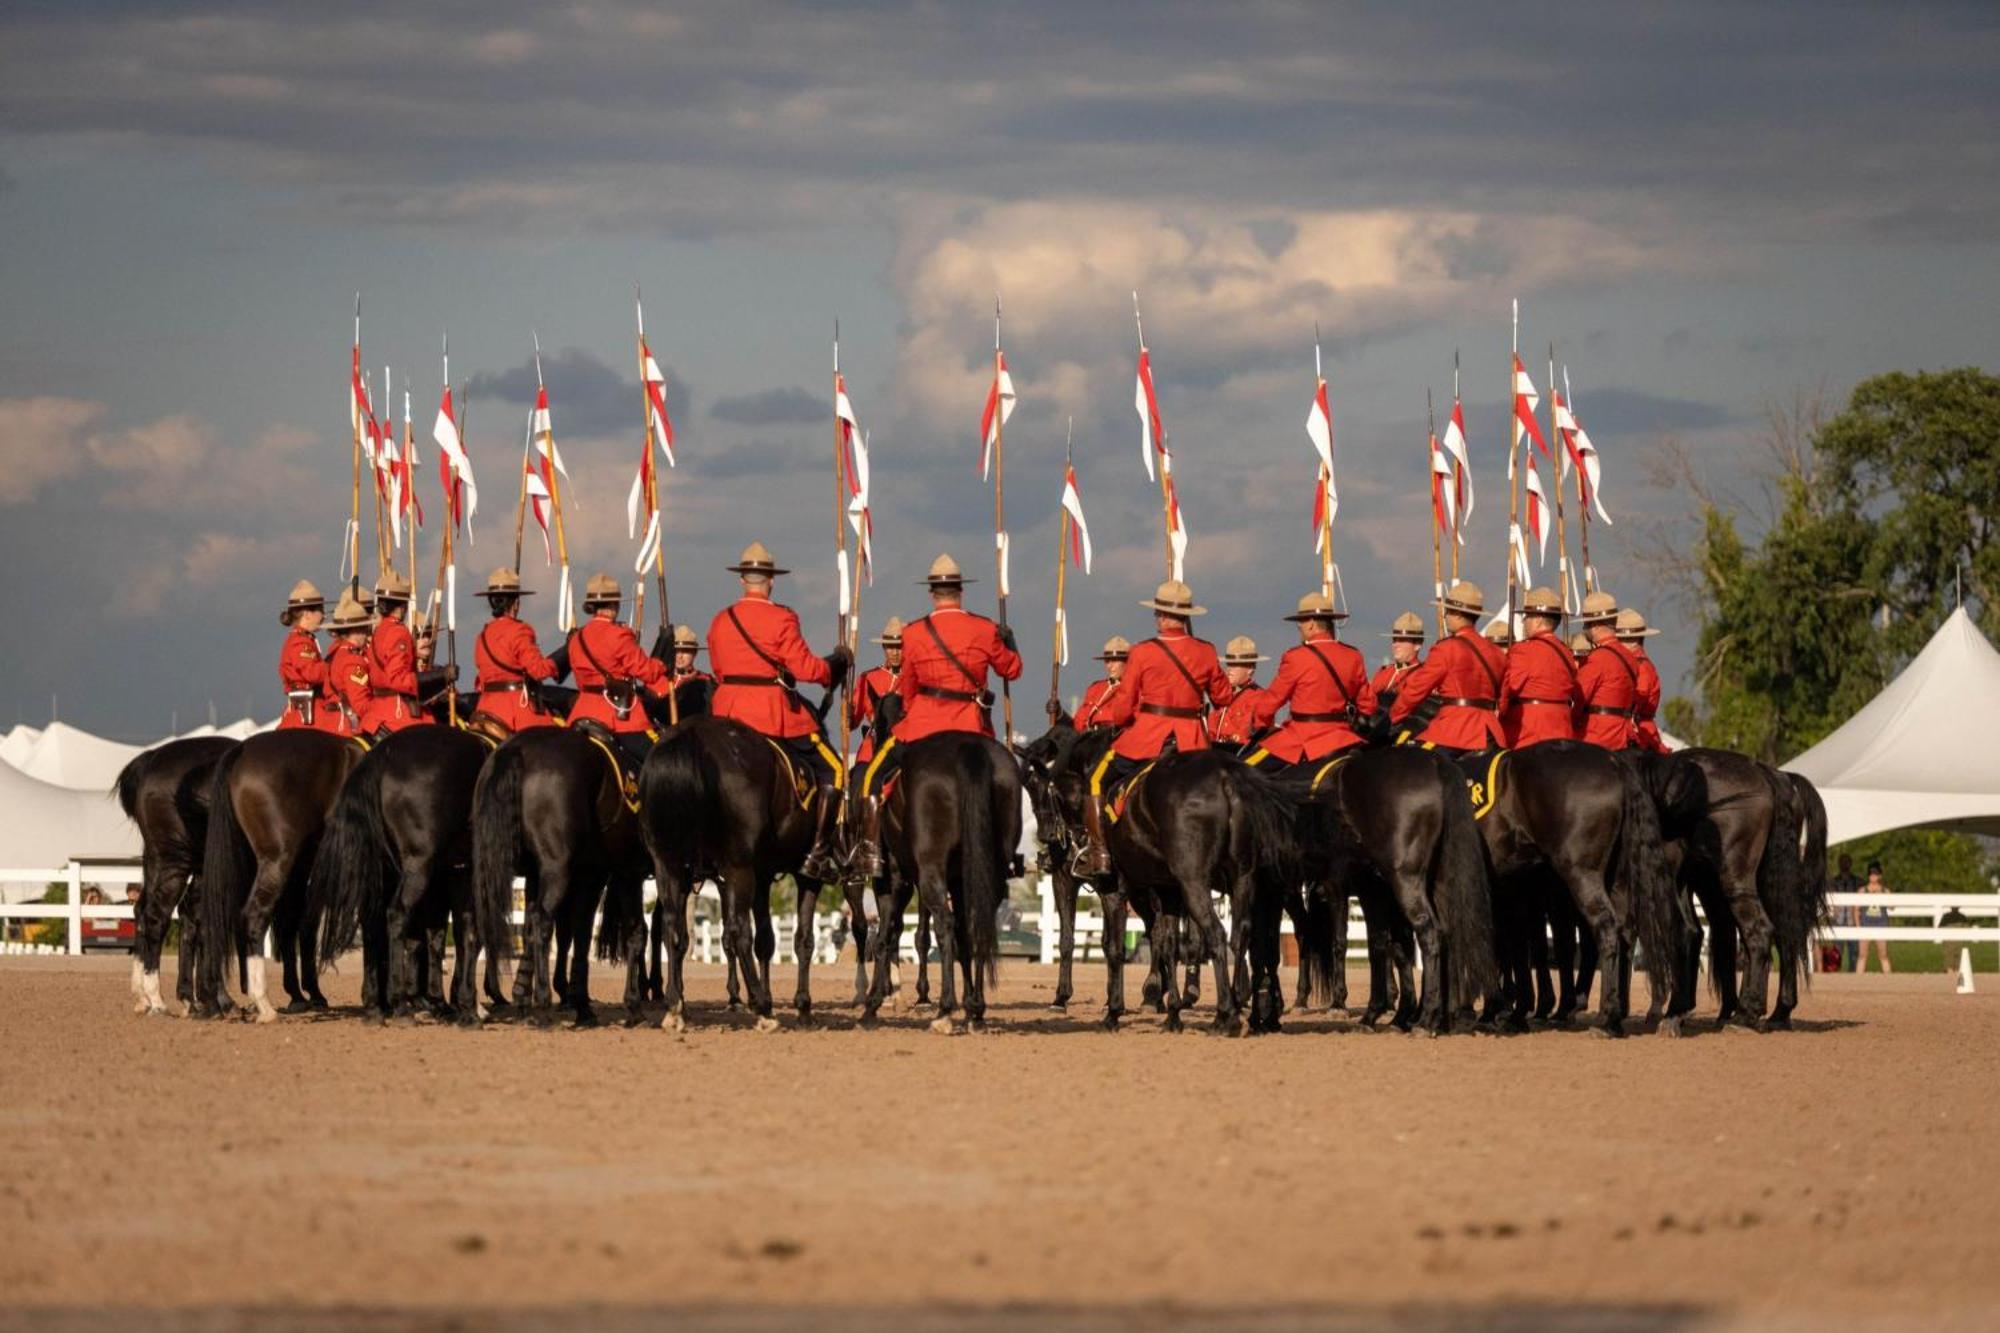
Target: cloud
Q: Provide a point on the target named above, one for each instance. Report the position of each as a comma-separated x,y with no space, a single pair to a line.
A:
772,407
1630,413
587,398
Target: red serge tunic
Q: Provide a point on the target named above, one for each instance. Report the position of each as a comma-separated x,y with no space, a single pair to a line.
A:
1608,686
1093,700
1389,679
1461,667
300,667
1237,722
1648,705
392,679
937,696
507,658
1542,678
347,679
605,649
1155,700
747,689
863,700
1321,679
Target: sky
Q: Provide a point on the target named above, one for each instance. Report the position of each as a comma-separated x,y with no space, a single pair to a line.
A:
1707,209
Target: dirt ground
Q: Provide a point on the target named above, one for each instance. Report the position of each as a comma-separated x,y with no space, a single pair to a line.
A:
323,1173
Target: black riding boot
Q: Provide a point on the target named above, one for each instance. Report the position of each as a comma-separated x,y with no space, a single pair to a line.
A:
865,861
820,863
1093,854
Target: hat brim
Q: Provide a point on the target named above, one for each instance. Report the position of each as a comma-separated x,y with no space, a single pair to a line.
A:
1645,633
506,592
888,643
1112,657
771,570
1316,615
955,581
1244,661
1461,608
1166,610
1403,638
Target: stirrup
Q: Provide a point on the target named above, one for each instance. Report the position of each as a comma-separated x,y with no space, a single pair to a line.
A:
865,860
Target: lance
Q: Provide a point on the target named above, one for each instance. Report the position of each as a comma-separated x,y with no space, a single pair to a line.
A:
1166,458
840,538
521,502
553,476
1516,548
652,497
447,564
354,508
999,518
1457,519
410,477
1062,578
382,565
1582,504
1436,483
1325,485
1565,587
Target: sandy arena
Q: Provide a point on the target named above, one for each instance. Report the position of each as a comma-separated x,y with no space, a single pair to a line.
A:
326,1173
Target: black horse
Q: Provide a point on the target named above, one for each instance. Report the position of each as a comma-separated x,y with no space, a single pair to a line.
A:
950,824
164,791
1581,813
1192,825
396,864
268,805
1395,827
721,801
552,805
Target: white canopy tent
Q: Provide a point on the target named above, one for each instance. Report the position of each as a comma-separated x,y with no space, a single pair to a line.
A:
71,757
43,825
19,743
1925,751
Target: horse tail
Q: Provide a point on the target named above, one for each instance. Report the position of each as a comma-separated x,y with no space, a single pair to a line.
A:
1272,822
1463,895
678,797
1317,962
347,874
496,849
1795,863
983,864
226,873
1642,868
624,910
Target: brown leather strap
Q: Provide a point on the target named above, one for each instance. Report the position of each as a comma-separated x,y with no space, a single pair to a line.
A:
978,683
1483,704
1550,703
1563,655
1346,694
1601,710
956,696
1186,675
783,675
503,687
1168,710
1479,656
751,680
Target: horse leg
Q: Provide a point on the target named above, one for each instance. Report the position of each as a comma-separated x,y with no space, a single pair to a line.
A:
1222,950
739,886
1337,904
1538,964
1403,958
655,947
934,899
1295,908
805,939
1433,1012
285,917
670,912
158,896
1190,947
1755,932
1065,887
582,909
258,909
767,941
565,941
1378,961
1587,891
926,939
1112,902
405,983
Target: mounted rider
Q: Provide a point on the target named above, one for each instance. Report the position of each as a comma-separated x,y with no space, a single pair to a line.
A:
1170,679
693,688
398,689
611,670
1466,673
1325,682
760,658
1633,631
347,662
1608,683
1406,643
865,697
508,660
1541,676
1233,727
1116,651
309,702
946,657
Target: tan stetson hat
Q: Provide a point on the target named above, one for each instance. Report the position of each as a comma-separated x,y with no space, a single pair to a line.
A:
1406,628
1465,598
1116,649
892,632
1242,651
504,582
1316,606
1598,607
1632,625
684,637
757,559
303,597
350,614
1543,602
945,574
1499,632
602,590
1174,598
391,587
1580,644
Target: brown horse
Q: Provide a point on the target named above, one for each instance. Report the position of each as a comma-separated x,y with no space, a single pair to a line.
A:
165,792
268,805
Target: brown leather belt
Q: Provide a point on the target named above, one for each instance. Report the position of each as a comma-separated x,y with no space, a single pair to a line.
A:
375,693
590,689
1629,714
1168,710
503,687
751,680
1484,704
1319,717
955,696
1550,703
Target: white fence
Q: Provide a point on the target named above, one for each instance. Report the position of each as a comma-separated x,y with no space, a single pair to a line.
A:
1920,917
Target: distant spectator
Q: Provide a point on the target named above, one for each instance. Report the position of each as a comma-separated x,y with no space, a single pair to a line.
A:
1874,916
93,896
132,894
1847,882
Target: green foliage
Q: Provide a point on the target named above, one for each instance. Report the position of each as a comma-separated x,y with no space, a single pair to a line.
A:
1923,860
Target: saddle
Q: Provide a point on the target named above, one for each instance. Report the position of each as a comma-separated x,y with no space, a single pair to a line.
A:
624,763
488,727
1484,771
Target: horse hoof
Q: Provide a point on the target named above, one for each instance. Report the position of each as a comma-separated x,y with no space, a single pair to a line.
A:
297,1007
869,1020
139,1004
975,1025
1780,1023
1059,1007
673,1021
1109,1022
944,1026
586,1018
805,1017
264,1013
469,1021
767,1024
1671,1027
734,1004
318,1002
1609,1031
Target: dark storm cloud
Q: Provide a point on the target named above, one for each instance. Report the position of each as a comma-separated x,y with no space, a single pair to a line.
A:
586,397
771,407
1631,413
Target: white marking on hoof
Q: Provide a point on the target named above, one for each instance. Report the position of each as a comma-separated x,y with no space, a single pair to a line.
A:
138,973
943,1026
673,1021
150,982
265,1013
767,1025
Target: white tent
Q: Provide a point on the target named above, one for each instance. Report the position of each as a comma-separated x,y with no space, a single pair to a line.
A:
70,757
42,825
1926,750
19,743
